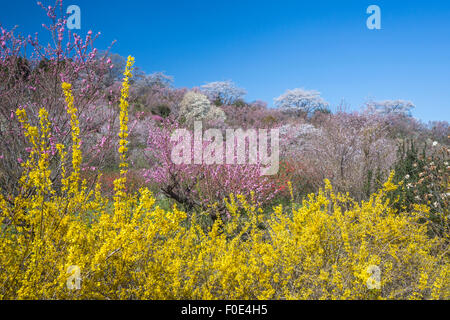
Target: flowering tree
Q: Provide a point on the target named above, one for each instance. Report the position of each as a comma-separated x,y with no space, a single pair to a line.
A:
299,137
153,81
389,107
354,151
301,100
201,186
196,106
254,115
29,72
223,92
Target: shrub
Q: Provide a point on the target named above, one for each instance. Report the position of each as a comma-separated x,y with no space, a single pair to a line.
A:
424,179
132,249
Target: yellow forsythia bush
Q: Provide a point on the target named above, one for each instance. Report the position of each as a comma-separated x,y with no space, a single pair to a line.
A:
76,244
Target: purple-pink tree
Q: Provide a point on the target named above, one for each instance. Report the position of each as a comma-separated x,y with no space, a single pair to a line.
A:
30,77
201,186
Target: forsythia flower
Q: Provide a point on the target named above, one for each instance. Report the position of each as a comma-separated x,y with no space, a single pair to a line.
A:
124,112
76,142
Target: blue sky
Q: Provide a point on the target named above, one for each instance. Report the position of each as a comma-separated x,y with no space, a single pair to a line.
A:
267,47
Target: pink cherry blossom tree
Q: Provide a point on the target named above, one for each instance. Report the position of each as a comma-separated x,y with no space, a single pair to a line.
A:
30,77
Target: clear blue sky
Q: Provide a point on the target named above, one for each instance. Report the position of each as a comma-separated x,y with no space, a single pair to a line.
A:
267,47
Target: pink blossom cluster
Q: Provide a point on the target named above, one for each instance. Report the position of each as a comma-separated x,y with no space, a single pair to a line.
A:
201,185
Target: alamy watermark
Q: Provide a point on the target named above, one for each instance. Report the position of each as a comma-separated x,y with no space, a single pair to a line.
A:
374,20
74,280
374,281
233,151
74,20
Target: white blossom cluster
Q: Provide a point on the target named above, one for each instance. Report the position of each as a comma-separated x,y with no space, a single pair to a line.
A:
301,100
387,107
196,106
225,92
